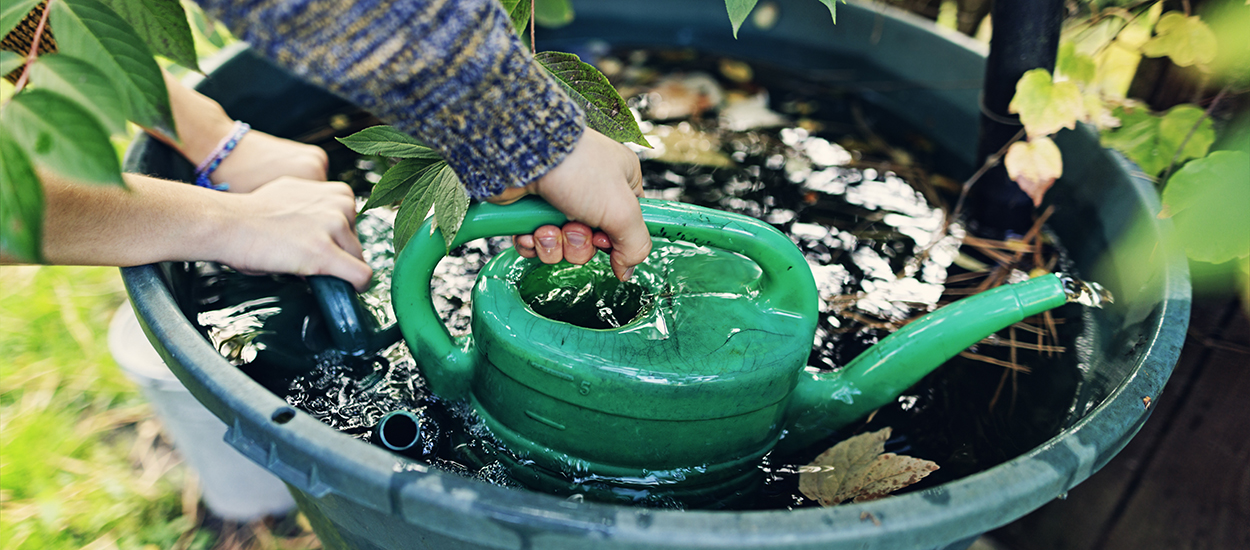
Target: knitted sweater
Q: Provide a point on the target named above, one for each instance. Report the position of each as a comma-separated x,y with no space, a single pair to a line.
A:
449,72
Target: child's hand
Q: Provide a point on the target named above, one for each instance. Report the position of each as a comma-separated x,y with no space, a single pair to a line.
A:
297,226
597,185
260,158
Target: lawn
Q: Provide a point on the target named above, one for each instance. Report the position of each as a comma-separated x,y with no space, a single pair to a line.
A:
83,463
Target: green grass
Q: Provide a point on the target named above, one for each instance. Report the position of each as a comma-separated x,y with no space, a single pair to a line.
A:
82,463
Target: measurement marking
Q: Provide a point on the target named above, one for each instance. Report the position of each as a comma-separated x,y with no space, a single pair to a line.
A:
551,371
546,421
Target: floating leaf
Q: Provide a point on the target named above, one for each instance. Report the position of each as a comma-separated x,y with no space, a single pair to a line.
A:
13,12
738,12
1153,141
1207,200
1034,166
10,61
519,13
90,31
685,145
21,203
859,469
388,142
1187,40
1046,106
61,136
396,182
163,26
78,81
1075,66
553,13
605,109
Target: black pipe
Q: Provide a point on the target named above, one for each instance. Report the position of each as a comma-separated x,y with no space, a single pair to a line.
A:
1026,37
399,431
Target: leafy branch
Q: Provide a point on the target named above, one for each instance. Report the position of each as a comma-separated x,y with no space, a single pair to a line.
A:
65,106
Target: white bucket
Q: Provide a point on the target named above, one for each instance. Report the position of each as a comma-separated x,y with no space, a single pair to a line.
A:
233,487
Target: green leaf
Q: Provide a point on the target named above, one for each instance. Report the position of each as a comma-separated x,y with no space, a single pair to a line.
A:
451,202
605,109
21,203
1046,106
63,137
1152,141
388,142
1187,40
396,182
78,81
832,4
9,61
163,26
13,12
1077,67
738,12
519,13
417,204
90,31
553,13
1207,200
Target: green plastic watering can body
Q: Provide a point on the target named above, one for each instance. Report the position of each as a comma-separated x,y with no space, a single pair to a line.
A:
692,393
693,388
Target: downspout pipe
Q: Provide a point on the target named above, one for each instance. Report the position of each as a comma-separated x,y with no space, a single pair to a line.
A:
1025,37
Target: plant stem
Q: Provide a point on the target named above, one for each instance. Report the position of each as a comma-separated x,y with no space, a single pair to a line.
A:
990,162
34,48
533,47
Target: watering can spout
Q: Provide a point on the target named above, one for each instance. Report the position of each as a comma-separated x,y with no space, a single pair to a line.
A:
824,402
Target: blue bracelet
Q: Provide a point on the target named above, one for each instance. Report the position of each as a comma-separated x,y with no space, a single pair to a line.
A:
210,164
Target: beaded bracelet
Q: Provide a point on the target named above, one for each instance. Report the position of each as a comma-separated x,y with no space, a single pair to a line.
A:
223,149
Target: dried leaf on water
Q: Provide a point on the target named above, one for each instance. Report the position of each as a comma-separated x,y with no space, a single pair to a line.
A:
859,469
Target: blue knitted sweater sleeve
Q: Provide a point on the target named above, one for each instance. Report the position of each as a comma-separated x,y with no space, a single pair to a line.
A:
449,72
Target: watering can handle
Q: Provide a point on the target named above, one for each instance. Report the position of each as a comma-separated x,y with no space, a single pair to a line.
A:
352,329
448,365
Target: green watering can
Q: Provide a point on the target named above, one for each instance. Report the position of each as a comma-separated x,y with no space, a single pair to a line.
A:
684,400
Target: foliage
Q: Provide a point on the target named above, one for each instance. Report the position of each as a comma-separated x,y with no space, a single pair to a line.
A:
68,105
740,9
859,469
1207,201
1097,58
589,89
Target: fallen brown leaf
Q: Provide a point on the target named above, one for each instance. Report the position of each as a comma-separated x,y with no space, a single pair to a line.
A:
859,469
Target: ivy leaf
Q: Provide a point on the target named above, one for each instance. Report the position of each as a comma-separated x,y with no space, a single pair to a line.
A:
61,136
1207,200
78,81
163,26
1046,106
605,109
90,31
13,12
388,142
1077,67
451,203
738,12
21,203
1153,141
859,469
396,182
553,13
519,13
1187,40
1034,166
10,61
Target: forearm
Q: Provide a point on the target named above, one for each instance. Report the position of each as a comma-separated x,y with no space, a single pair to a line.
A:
150,221
201,123
451,73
